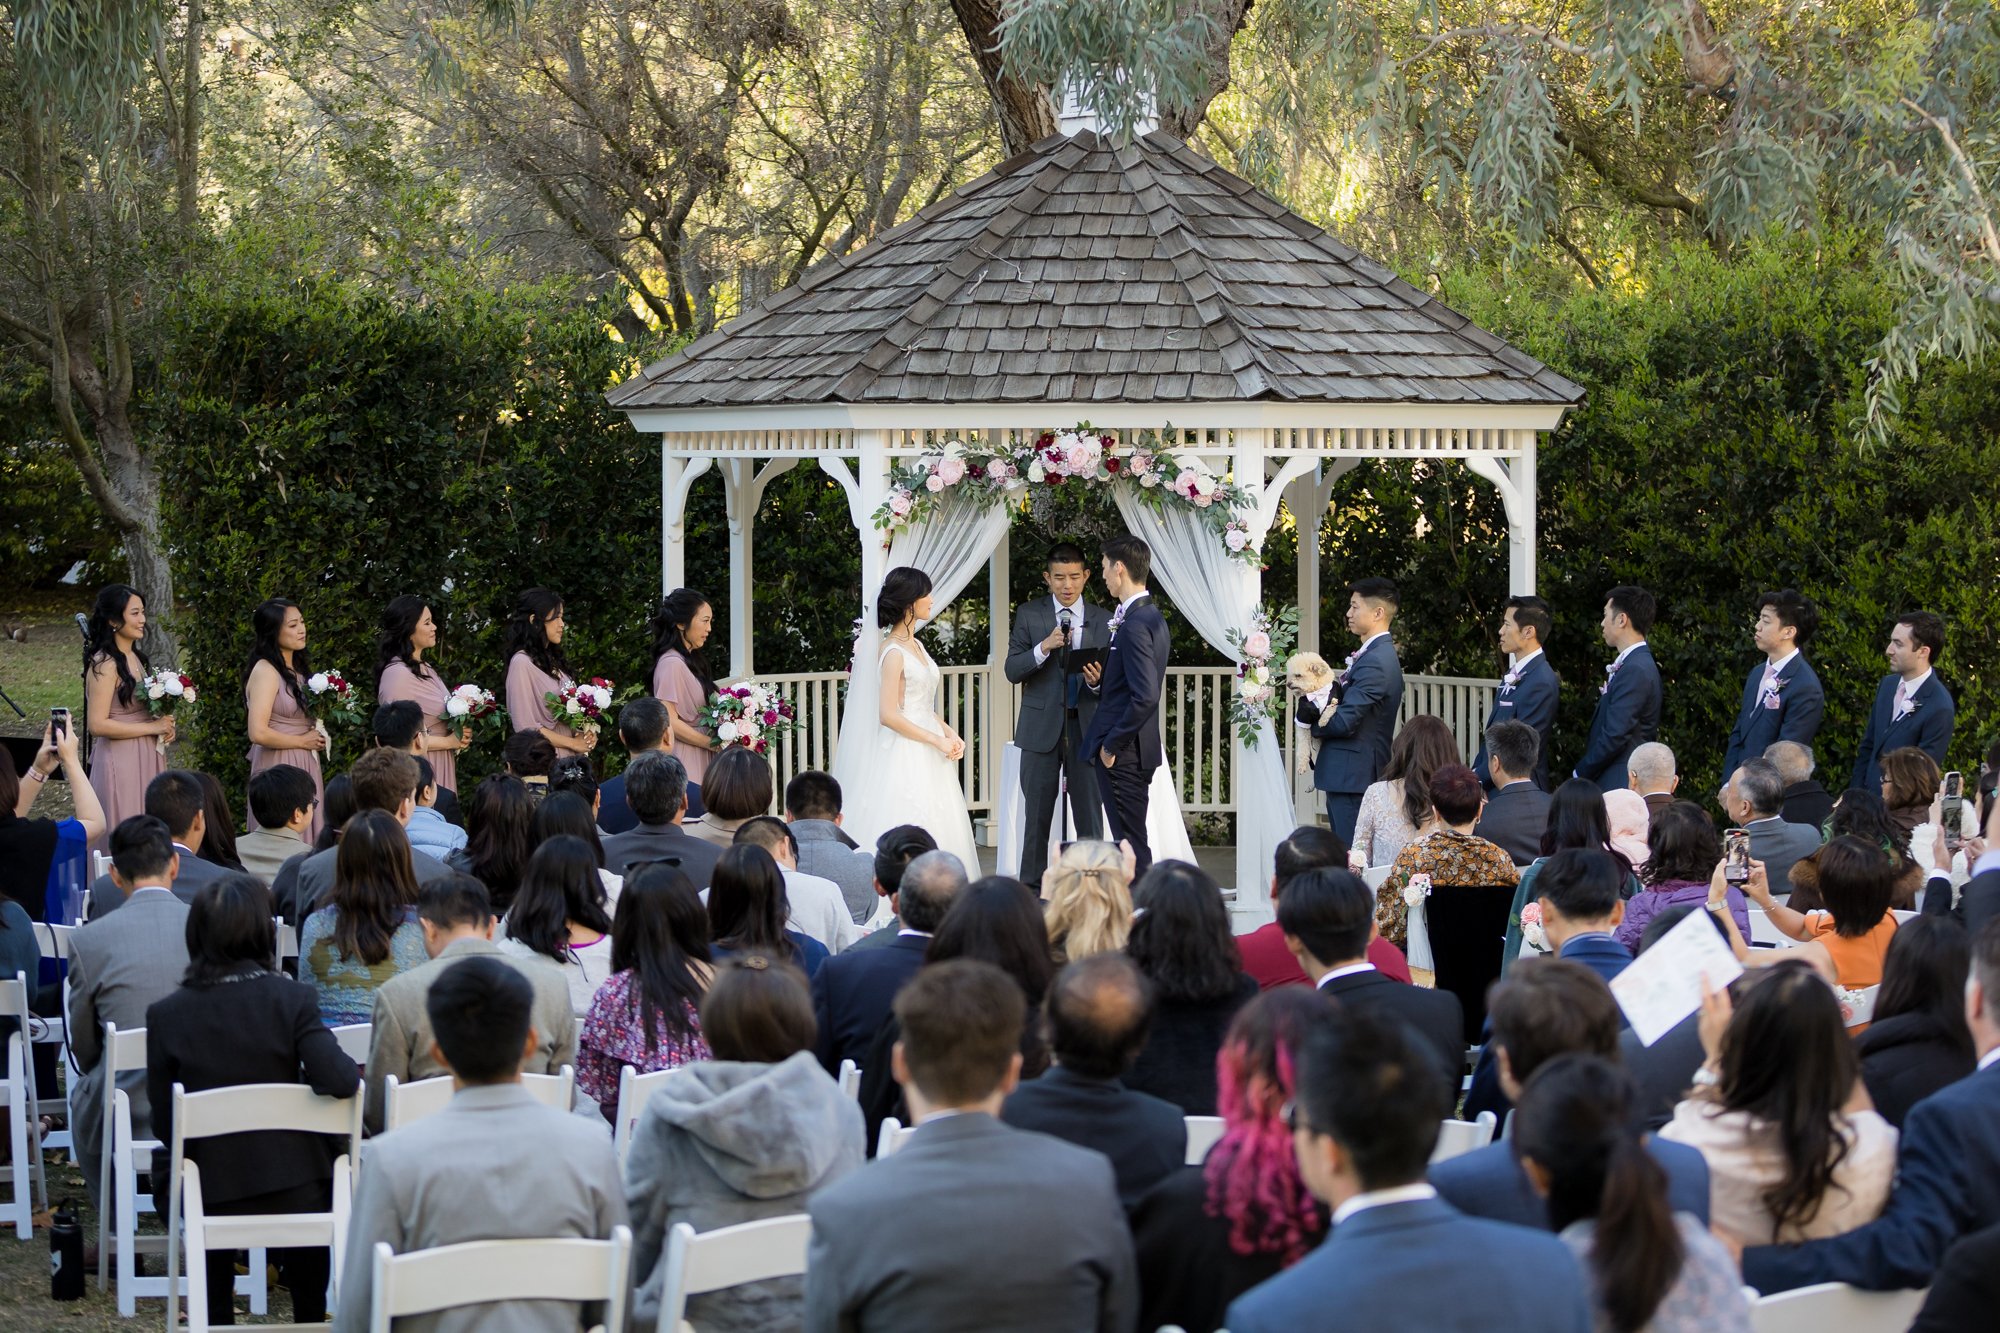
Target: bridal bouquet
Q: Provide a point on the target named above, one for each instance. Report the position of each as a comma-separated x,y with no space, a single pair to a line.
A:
1531,928
166,691
471,708
580,705
333,699
1256,698
748,715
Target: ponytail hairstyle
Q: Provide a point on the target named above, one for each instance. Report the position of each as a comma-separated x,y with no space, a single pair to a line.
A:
903,588
399,623
1574,1122
526,635
669,628
106,614
265,622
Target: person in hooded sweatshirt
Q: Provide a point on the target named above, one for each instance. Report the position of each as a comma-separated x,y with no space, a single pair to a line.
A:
745,1136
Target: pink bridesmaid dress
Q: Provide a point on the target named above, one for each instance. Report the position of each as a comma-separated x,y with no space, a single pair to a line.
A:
120,769
430,693
675,685
528,688
289,718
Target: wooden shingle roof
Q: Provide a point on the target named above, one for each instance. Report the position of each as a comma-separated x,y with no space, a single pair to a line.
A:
1084,272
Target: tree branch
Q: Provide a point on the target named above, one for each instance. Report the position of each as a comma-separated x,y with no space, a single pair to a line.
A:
1989,236
1652,196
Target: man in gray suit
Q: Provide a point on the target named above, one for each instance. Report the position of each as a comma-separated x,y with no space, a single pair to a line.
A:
656,786
812,808
118,966
1057,703
456,913
494,1165
175,799
1753,796
972,1227
382,780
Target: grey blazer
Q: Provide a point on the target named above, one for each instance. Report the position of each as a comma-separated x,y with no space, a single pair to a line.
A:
494,1165
106,897
973,1227
1040,724
1779,846
829,853
316,878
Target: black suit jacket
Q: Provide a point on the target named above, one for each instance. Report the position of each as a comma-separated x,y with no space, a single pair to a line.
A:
1806,803
1907,1057
1514,819
654,842
1966,1290
1145,1138
1128,693
1663,1071
1434,1015
852,993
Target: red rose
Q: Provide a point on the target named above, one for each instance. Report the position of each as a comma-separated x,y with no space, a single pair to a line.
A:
1111,465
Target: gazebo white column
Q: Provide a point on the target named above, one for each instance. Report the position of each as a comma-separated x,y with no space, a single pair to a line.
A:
677,475
1514,475
743,488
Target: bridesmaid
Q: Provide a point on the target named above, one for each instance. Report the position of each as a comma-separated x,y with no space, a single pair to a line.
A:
124,752
274,693
409,630
681,681
535,669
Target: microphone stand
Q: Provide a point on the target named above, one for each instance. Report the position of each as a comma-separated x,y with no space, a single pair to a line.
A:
1069,741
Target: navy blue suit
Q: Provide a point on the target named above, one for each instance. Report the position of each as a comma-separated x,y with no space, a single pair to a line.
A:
1354,734
1127,725
1490,1183
1532,700
1628,715
1602,955
1947,1186
1423,1264
1801,708
1927,726
852,992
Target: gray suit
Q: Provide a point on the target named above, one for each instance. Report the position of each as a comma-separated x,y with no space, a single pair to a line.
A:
194,872
118,966
658,842
827,852
1050,738
973,1228
494,1165
1779,846
400,1042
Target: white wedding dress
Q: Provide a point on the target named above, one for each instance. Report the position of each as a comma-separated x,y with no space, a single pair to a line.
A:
908,781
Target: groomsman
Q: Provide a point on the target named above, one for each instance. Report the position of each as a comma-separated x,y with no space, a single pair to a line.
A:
1355,728
1123,741
1911,707
1056,706
1529,690
1628,702
1782,698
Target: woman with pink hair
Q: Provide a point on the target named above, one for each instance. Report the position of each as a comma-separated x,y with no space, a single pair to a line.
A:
1207,1234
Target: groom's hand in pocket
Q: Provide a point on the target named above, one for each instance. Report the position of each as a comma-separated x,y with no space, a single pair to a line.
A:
1106,758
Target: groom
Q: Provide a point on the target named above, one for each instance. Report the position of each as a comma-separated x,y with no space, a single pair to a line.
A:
1056,706
1124,738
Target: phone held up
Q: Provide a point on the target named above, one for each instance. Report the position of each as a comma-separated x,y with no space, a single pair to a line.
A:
59,722
1954,809
1736,856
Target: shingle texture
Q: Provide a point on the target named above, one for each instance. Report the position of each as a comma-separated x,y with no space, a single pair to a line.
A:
1084,272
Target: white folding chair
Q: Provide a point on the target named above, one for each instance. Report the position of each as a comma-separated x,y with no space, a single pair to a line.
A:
1835,1307
1903,914
1457,1137
892,1137
1203,1132
633,1090
247,1109
701,1262
354,1039
453,1276
1417,935
850,1078
24,1123
100,866
1767,936
1862,1009
403,1103
288,940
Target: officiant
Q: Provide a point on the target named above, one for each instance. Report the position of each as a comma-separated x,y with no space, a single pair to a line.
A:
1056,654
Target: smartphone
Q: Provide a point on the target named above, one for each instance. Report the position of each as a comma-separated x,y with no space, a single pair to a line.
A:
59,722
1736,855
1954,809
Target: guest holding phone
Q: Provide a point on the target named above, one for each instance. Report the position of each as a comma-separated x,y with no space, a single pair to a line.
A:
274,695
536,669
126,754
409,630
41,855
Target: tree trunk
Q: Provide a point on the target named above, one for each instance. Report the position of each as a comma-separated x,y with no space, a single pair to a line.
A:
1027,115
1229,17
187,176
136,481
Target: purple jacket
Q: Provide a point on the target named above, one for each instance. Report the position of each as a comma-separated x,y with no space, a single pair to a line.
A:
1649,903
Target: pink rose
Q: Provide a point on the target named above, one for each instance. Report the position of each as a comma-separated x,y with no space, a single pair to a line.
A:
952,470
1184,484
1257,645
899,503
934,483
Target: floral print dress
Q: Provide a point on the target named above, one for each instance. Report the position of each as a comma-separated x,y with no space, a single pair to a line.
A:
615,1036
1448,857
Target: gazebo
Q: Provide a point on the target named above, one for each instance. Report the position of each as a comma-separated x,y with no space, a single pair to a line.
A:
1128,285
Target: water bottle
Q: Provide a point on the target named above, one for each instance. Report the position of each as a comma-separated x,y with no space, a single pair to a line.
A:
65,1255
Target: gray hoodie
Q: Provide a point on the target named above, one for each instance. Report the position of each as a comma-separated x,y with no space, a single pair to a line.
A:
721,1143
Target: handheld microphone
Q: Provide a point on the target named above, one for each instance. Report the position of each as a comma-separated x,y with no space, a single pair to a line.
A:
1062,619
83,626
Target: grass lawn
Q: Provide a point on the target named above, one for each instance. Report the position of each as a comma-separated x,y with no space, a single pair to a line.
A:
46,671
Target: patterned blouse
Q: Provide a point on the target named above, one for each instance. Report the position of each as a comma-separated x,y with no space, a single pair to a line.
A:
613,1037
346,986
1448,857
1381,830
1707,1295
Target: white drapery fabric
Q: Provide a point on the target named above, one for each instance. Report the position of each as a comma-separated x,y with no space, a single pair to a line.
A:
1218,592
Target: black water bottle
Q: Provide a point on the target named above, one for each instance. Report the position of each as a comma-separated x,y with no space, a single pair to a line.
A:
65,1255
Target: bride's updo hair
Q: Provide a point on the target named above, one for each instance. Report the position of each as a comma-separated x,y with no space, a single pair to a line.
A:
902,589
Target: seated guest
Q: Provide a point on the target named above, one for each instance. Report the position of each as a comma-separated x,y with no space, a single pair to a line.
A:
1664,1071
1947,1171
752,1133
1207,1234
336,807
530,756
812,808
1098,1013
1918,1043
1860,814
1018,1231
456,915
1518,810
1794,1151
814,906
1265,954
282,802
118,966
1685,852
1752,798
1328,917
1651,1267
434,1182
234,1021
1450,853
383,780
568,812
747,909
368,930
1578,817
400,726
1542,1010
559,917
738,786
500,839
1088,890
656,785
1631,825
1805,801
32,851
1910,781
1397,810
644,1015
430,832
1966,1290
1183,945
175,798
1364,1123
893,851
1852,935
218,836
1651,772
852,991
642,729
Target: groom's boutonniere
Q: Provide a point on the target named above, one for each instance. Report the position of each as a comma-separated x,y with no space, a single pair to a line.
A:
1610,670
1510,680
1117,619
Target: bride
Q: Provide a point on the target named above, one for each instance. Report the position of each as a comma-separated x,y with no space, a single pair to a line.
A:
913,778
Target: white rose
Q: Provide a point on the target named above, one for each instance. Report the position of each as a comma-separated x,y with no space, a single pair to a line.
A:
748,730
1150,480
1257,644
1236,539
600,696
174,686
1036,472
456,706
468,691
317,682
1204,483
934,483
154,691
726,733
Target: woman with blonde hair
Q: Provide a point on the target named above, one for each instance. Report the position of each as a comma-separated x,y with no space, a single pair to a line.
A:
1089,894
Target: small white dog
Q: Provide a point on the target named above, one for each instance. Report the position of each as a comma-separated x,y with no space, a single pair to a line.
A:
1309,675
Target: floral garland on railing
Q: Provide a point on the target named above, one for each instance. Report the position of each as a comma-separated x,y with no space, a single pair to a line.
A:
1160,476
1257,698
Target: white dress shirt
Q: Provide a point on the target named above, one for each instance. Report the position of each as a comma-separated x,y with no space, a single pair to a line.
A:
1361,1203
1075,629
1348,971
1906,694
